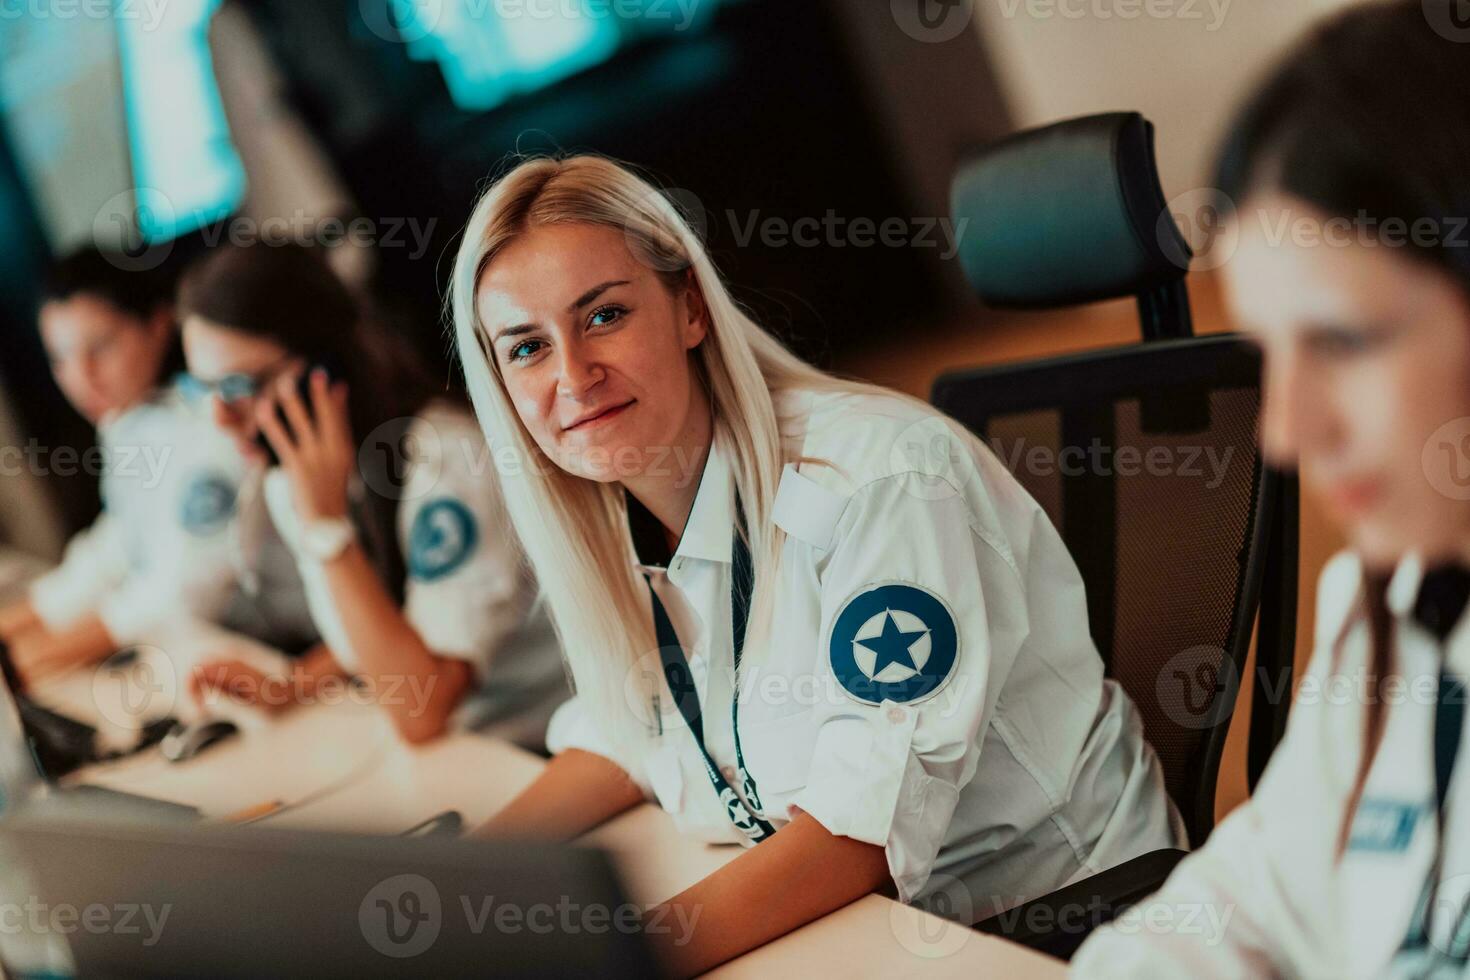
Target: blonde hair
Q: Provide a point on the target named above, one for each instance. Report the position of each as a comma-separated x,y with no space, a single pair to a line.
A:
574,531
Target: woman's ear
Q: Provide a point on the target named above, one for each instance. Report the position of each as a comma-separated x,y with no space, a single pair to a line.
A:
161,324
695,326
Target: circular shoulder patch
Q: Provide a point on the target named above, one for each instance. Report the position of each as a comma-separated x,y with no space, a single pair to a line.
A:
893,642
209,502
443,536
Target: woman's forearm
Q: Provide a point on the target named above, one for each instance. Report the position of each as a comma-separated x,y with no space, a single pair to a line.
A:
576,792
390,653
799,875
40,653
17,618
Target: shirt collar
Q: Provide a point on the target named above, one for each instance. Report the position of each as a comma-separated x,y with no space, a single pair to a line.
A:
707,533
1432,598
1403,585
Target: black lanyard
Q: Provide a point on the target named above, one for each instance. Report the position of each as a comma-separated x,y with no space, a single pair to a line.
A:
1442,600
743,813
1449,726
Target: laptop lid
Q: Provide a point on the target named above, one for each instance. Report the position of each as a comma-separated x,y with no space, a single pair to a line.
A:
250,902
20,773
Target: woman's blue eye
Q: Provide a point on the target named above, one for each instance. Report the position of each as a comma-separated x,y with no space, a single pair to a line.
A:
523,350
604,315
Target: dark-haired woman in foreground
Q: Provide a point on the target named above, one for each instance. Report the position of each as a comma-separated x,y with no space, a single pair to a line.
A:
1352,859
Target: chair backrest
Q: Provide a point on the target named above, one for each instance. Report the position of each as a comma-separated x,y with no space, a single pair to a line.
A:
1144,457
1073,213
1145,460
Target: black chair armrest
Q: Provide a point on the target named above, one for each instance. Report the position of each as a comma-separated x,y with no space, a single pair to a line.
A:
1057,924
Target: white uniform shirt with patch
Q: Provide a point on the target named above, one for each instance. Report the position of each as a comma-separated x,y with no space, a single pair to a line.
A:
1267,896
986,752
160,550
468,593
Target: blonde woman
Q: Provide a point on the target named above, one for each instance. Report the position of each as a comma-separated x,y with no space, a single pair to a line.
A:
778,625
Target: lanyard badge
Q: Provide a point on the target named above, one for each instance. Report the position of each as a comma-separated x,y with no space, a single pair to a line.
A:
743,813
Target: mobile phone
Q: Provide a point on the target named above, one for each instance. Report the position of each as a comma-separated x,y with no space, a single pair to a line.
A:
303,391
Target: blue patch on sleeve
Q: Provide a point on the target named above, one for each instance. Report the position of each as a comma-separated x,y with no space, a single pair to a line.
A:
893,642
209,503
1384,826
443,537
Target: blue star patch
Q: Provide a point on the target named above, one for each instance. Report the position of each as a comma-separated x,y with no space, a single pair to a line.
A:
444,535
209,502
893,642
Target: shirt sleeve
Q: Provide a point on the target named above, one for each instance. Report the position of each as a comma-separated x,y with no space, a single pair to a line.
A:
890,759
572,727
187,570
467,589
96,560
1254,900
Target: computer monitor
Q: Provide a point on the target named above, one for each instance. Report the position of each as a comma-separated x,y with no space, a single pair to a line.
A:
251,902
20,776
25,782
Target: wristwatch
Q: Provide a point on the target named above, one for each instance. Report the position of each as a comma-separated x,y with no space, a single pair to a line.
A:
326,538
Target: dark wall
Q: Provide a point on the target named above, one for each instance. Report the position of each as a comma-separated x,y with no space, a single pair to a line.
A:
41,411
760,116
777,110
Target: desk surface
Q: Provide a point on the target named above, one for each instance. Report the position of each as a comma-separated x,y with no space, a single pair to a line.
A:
340,767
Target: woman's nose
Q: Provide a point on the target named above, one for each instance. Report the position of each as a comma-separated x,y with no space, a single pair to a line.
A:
80,375
89,370
579,374
1285,411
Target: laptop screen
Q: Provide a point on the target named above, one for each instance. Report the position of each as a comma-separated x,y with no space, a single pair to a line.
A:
20,775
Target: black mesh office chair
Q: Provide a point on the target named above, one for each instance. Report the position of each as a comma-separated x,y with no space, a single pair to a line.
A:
1144,457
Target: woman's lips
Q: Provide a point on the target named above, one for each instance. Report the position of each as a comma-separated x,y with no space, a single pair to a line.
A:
602,418
1355,496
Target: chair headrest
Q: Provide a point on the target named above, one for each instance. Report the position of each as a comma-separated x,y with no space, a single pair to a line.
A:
1067,214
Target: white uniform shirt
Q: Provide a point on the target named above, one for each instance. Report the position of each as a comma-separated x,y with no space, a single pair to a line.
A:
468,593
930,687
160,550
1266,896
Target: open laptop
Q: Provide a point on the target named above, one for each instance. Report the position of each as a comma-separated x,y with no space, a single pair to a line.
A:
25,782
249,902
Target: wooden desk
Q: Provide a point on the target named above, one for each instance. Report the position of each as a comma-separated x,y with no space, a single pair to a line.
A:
341,768
873,937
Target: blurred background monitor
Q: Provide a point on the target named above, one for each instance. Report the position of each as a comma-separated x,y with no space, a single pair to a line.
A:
158,128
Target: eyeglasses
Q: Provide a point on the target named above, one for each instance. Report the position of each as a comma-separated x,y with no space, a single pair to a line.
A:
231,388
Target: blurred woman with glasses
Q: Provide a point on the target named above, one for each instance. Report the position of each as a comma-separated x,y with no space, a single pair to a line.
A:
379,483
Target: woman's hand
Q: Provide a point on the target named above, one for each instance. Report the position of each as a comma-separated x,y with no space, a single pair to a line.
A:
315,446
239,682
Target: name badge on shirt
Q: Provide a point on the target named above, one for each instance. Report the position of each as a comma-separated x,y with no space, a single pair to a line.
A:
1384,826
